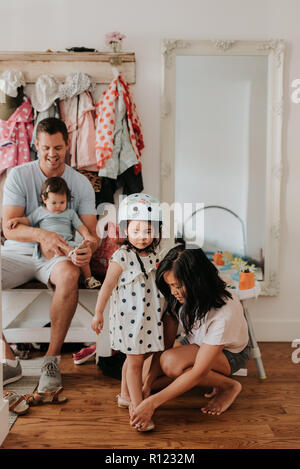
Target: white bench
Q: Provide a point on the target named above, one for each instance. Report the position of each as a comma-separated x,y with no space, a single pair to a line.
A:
25,312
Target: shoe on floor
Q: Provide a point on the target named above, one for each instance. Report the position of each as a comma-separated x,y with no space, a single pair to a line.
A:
122,403
11,373
16,402
84,355
50,379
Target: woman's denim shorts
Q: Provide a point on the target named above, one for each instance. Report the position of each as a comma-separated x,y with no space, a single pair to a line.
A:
235,360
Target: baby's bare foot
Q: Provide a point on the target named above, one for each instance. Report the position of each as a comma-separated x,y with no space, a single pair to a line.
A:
223,399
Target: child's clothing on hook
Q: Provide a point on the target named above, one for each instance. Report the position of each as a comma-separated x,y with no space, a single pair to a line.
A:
136,305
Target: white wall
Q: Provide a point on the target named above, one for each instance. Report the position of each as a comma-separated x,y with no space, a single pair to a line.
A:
56,24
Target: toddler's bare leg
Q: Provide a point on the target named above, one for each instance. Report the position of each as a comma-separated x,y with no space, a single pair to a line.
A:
134,378
124,387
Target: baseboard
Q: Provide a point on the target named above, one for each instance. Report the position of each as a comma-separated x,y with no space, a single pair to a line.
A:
276,330
4,424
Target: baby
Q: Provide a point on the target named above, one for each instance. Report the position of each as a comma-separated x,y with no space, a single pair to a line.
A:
55,216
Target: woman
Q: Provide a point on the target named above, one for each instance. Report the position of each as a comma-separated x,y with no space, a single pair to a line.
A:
216,341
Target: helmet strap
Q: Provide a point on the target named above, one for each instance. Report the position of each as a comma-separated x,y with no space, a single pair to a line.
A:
137,251
142,265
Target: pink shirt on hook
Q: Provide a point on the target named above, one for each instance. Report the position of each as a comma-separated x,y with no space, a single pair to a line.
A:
15,136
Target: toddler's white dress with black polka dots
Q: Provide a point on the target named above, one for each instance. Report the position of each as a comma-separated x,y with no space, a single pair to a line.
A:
136,306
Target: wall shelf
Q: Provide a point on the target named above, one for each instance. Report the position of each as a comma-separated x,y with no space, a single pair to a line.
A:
98,65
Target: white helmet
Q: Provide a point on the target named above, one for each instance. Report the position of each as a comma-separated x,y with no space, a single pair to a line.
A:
139,207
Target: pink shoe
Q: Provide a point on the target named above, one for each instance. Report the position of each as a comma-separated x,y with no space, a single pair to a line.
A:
84,354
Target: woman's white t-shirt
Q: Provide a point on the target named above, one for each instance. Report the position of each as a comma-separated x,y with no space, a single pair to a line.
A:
224,326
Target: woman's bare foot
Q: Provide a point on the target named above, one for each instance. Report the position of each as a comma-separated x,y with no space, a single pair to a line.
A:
223,399
211,394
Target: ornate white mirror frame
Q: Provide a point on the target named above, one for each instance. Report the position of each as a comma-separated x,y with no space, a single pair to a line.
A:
274,50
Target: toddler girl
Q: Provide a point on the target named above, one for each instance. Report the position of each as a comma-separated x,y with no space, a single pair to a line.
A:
135,302
55,216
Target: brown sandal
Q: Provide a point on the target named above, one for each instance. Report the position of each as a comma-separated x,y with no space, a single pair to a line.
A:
16,402
37,398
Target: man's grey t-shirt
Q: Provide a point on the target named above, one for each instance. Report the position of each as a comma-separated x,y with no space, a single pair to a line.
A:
23,185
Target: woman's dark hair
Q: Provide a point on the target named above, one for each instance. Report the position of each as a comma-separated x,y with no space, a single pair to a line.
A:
204,289
56,185
157,226
51,126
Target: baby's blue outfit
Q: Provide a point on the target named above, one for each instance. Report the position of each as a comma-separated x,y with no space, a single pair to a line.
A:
64,224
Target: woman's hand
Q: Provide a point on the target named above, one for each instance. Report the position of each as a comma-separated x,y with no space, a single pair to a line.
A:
141,415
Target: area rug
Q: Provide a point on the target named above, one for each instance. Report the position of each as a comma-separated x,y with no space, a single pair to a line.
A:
31,370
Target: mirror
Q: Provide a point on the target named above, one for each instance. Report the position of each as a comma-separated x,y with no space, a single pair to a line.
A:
221,147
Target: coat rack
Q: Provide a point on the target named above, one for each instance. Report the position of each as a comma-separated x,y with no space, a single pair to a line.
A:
98,65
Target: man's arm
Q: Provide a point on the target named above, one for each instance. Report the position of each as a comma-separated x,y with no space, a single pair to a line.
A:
22,232
14,222
83,256
50,242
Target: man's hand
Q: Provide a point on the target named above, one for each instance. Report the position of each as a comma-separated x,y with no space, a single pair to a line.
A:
82,255
94,242
52,244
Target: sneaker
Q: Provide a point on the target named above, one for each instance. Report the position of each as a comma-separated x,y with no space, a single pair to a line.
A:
84,355
50,379
11,373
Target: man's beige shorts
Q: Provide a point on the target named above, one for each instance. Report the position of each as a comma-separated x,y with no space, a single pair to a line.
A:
19,266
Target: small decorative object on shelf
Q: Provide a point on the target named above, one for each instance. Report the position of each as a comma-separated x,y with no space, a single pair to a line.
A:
218,258
80,49
227,257
247,280
239,265
246,273
114,41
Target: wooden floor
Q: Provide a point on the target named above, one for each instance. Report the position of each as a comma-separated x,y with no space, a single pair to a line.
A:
265,415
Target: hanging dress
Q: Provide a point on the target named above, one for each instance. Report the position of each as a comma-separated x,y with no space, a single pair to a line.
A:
15,136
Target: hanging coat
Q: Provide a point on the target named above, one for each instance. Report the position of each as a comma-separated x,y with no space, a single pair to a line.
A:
78,115
16,135
119,139
52,111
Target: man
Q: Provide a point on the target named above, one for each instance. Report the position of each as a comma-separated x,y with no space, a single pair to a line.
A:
21,196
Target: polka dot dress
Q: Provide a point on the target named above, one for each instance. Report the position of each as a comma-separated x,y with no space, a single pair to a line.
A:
136,306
